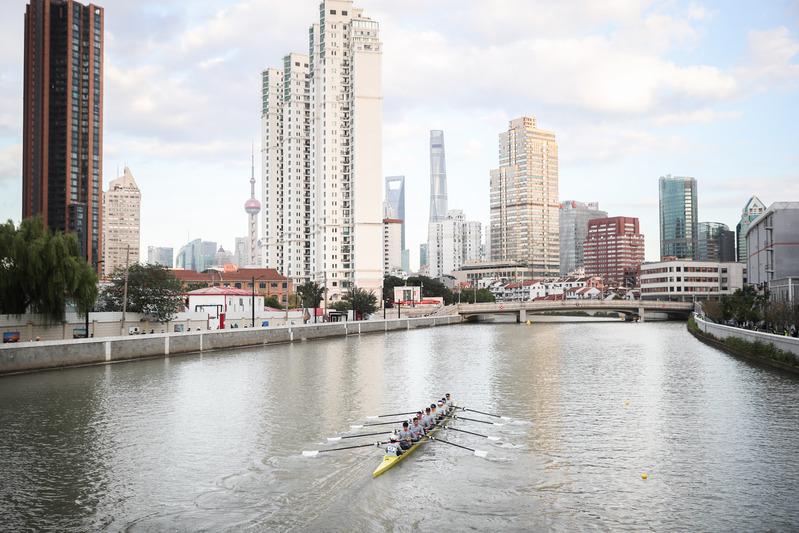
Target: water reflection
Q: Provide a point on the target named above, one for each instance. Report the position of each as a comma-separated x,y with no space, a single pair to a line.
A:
214,442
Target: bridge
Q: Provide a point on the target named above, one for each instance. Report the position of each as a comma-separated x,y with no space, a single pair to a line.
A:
639,308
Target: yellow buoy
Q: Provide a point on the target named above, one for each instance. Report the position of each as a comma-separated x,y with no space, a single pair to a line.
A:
528,322
607,376
628,403
643,476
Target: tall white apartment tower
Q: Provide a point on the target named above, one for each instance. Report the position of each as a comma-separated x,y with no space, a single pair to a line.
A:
322,143
452,242
287,184
524,198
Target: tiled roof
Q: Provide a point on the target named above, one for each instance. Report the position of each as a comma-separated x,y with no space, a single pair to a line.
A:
244,274
222,291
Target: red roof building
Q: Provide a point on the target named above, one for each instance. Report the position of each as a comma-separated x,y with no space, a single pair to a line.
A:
268,281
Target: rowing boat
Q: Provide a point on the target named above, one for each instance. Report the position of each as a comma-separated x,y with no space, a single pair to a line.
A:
389,460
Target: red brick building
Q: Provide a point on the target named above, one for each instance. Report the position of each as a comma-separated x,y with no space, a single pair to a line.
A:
267,280
613,246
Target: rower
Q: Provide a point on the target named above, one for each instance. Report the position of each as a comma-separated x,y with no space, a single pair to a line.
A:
441,411
449,402
405,436
428,420
434,413
418,430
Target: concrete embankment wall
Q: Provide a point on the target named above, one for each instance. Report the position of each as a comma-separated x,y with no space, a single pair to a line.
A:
43,355
720,333
788,344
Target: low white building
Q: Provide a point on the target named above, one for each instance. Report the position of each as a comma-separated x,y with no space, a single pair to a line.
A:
685,280
225,303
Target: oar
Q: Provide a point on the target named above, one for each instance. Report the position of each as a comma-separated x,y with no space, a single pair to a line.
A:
478,453
333,439
480,421
378,424
393,414
312,453
471,433
482,413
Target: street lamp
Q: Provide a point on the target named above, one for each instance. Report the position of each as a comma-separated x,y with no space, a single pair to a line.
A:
253,298
95,264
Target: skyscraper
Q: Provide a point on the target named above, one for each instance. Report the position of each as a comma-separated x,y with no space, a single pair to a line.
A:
524,198
157,255
711,242
322,151
438,177
613,247
63,116
679,236
395,194
252,207
753,209
121,222
573,223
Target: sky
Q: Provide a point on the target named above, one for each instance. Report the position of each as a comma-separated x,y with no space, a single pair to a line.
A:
633,89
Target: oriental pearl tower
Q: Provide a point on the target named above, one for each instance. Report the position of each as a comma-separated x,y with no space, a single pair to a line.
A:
252,207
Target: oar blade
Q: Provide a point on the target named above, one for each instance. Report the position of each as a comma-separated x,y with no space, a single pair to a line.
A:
310,453
334,439
357,427
373,416
493,438
480,453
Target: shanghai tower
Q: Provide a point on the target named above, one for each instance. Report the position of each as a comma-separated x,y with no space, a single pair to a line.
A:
438,177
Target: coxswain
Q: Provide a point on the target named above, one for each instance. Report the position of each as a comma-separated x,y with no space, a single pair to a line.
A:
393,448
417,429
406,437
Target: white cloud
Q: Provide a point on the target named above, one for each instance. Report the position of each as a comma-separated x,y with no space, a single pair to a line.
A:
11,163
770,59
704,115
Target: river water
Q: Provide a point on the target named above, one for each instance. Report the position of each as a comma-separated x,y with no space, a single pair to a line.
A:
214,442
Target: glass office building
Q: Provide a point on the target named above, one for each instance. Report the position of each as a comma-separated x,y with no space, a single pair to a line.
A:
679,236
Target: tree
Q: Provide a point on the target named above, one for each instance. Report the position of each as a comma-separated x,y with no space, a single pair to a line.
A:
152,290
361,301
312,294
41,271
430,286
743,305
485,296
272,301
339,305
780,314
389,283
713,310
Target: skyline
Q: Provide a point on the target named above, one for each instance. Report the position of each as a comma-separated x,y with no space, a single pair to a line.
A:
633,91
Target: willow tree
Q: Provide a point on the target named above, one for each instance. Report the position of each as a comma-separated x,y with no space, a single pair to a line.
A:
41,272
